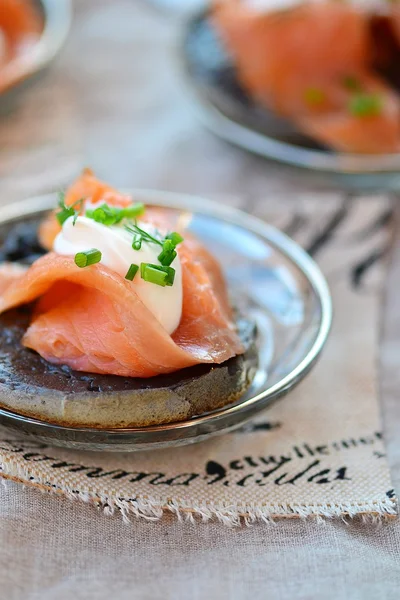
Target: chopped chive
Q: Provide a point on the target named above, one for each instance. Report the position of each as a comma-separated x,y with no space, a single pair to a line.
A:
365,105
64,214
167,273
68,211
152,274
137,244
104,214
175,238
352,84
110,215
87,258
166,257
133,269
170,275
314,96
99,215
168,245
131,212
168,253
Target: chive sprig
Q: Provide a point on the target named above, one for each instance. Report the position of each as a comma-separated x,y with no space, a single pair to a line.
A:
87,258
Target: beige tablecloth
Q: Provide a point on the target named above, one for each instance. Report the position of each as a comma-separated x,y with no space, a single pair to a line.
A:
114,101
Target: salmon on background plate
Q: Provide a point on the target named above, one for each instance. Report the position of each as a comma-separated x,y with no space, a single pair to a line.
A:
21,26
312,63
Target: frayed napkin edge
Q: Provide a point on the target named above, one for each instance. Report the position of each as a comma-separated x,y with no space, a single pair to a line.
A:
152,509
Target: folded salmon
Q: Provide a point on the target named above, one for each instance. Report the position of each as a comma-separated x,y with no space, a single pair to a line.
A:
92,320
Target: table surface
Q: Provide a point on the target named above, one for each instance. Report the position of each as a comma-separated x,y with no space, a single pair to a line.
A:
114,101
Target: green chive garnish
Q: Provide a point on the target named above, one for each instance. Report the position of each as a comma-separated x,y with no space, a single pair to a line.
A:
314,96
170,275
133,269
175,238
63,215
104,214
137,243
153,274
365,105
90,257
166,258
136,210
68,211
157,274
168,253
109,215
352,84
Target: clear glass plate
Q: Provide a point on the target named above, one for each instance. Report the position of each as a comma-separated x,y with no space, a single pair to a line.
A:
224,107
272,281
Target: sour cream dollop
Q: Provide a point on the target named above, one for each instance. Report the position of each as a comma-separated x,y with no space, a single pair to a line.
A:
115,245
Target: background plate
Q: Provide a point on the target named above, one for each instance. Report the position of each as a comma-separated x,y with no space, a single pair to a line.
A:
270,278
225,108
57,16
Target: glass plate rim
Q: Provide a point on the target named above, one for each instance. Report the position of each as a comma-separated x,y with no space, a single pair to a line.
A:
241,411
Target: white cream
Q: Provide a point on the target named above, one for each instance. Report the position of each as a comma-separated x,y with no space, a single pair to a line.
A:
115,245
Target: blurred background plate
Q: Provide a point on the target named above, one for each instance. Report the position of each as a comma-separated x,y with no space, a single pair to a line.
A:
226,109
57,17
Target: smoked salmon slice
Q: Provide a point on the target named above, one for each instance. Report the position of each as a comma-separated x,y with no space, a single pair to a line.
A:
9,273
92,320
89,187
